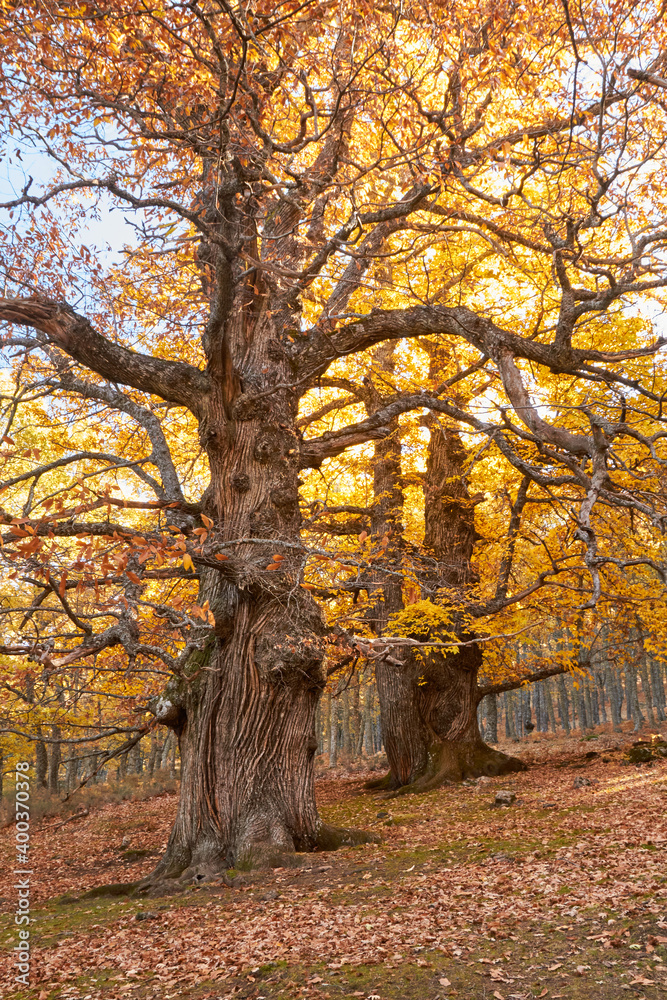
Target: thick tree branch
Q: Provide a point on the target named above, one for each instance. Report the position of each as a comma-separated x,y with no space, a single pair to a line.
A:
173,381
59,463
513,530
322,347
335,404
645,77
517,682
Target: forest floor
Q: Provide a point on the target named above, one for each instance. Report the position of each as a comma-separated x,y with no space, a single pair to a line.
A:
563,894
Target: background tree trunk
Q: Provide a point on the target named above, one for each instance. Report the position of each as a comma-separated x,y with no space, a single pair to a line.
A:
429,704
92,766
152,757
369,747
588,703
510,731
613,687
646,687
41,764
579,705
54,761
346,725
355,716
71,767
166,747
599,680
491,721
134,759
632,696
658,689
324,708
333,731
550,706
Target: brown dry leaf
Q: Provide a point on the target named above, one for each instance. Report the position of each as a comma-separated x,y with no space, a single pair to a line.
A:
611,867
444,982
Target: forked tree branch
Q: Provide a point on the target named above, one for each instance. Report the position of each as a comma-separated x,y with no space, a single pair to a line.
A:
321,347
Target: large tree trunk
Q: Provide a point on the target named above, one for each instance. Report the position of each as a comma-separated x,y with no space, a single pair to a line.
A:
429,705
247,743
245,713
246,728
430,724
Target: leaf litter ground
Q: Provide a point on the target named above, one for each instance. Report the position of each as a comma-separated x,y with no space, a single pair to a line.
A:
561,895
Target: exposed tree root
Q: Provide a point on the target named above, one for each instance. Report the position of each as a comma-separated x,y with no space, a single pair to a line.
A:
381,784
452,762
330,838
176,870
110,889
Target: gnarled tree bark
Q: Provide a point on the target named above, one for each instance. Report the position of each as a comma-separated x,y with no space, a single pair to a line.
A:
429,704
245,712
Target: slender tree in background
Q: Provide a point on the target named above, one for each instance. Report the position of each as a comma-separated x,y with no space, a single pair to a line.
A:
274,161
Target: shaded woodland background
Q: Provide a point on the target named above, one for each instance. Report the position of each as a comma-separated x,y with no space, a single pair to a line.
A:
610,696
